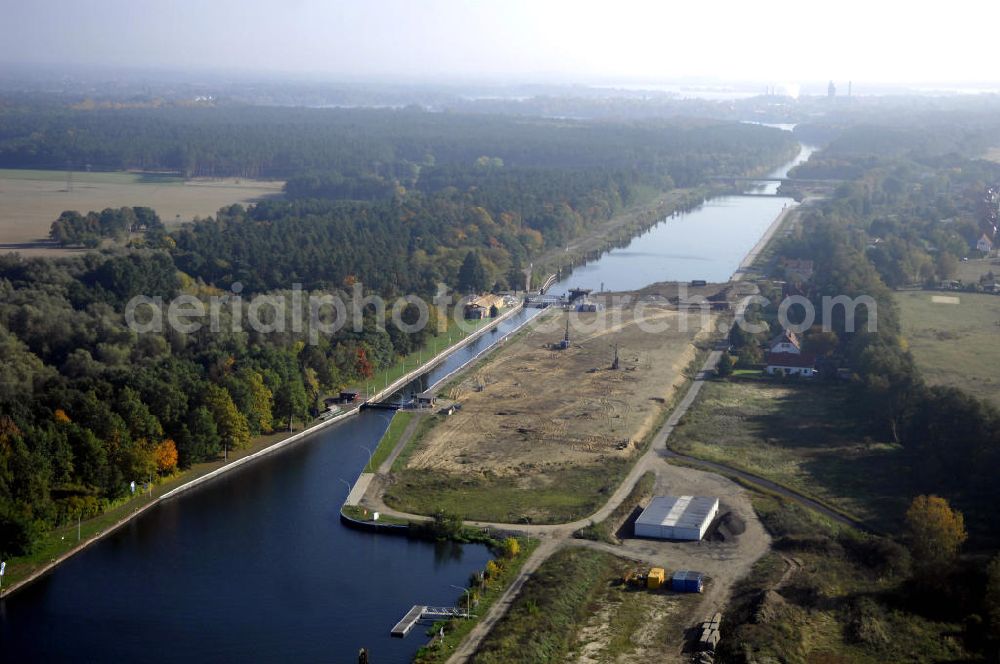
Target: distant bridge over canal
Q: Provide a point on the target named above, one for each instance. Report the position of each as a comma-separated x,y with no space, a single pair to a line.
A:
803,181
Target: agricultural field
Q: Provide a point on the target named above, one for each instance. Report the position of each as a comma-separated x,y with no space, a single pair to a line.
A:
955,339
31,200
544,435
800,435
574,608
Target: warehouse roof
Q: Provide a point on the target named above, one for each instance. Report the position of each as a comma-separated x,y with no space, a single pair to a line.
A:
678,511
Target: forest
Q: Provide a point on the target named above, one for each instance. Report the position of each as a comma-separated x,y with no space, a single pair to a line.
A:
395,201
385,145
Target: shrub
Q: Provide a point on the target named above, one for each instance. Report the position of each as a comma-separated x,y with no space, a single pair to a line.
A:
511,548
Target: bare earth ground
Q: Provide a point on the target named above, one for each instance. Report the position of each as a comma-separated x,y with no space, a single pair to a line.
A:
645,644
530,407
725,557
31,200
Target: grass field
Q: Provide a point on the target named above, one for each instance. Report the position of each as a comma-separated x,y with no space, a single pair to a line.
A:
800,435
955,343
400,420
565,494
574,609
970,271
31,200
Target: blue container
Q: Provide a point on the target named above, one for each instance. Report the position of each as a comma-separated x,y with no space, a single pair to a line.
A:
685,581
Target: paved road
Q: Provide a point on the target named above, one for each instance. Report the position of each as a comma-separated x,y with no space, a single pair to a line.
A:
470,643
386,467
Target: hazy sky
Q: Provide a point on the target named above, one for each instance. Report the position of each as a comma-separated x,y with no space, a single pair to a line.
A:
774,41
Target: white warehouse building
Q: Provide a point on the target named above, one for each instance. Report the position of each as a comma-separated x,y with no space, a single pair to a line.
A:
677,517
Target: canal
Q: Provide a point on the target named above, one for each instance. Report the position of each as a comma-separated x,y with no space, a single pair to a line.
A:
706,243
256,566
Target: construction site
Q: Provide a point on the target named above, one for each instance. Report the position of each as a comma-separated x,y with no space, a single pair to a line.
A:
574,392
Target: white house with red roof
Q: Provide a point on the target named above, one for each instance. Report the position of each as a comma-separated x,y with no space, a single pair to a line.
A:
791,364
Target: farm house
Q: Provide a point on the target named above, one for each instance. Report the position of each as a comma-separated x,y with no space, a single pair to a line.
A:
677,517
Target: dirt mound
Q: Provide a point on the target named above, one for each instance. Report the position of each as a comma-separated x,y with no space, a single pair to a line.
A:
771,608
727,528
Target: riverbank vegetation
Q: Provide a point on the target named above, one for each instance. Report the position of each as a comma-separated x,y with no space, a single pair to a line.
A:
542,622
400,421
485,587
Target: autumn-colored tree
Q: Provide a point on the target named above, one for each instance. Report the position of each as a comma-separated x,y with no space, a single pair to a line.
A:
61,417
936,532
363,365
492,571
165,455
310,380
511,548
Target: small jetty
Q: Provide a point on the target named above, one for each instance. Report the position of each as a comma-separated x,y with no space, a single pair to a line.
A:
419,612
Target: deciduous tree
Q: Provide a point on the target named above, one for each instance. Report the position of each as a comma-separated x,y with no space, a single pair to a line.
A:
936,532
165,455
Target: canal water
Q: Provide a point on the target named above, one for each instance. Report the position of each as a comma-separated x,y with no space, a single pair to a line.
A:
255,566
709,242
